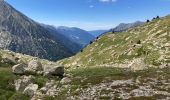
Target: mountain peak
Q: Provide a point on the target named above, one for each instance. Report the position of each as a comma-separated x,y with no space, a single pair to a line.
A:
18,35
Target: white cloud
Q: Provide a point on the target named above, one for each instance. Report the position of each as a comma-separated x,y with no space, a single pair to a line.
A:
107,0
91,6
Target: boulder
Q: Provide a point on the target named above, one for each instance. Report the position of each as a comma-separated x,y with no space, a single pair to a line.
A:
19,69
23,82
31,89
54,70
34,66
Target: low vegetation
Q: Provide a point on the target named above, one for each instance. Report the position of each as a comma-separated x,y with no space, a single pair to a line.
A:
149,42
7,90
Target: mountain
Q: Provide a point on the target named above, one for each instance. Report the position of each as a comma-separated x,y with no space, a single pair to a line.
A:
120,28
125,26
97,33
140,47
21,34
67,42
76,35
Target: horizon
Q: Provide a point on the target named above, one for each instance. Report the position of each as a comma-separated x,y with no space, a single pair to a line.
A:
91,14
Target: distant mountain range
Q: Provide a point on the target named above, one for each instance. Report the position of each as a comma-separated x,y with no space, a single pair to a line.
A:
125,26
121,27
97,33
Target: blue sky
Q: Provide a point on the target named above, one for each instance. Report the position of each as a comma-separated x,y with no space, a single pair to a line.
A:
91,14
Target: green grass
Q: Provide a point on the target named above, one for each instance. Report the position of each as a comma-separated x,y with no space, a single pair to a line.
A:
7,90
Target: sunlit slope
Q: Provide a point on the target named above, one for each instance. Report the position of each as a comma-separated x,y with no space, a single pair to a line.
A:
144,46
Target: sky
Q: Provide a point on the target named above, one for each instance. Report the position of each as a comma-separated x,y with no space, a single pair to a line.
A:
91,14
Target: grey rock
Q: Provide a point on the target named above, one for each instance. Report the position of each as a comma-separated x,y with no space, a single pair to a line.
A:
35,66
9,60
54,70
19,69
23,82
65,80
31,89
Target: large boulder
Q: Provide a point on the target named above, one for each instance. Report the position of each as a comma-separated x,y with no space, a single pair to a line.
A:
34,66
31,89
23,82
19,69
54,70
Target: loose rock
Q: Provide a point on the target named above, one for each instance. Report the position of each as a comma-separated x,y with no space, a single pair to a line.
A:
31,89
23,82
34,66
19,69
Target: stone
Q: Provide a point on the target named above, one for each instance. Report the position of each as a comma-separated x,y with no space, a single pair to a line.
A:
34,66
65,80
31,89
137,64
54,70
142,91
121,82
19,69
9,60
23,82
50,88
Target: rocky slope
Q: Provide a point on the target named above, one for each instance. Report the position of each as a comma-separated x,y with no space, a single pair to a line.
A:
21,34
28,78
139,48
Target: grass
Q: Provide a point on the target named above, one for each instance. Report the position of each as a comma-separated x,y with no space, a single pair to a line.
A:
96,75
7,90
120,47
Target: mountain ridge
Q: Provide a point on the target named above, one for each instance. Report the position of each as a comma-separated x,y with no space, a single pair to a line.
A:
21,34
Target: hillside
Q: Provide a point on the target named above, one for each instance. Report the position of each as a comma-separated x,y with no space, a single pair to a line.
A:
28,78
139,48
21,34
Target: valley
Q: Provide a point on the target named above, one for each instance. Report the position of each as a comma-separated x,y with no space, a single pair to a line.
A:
44,62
